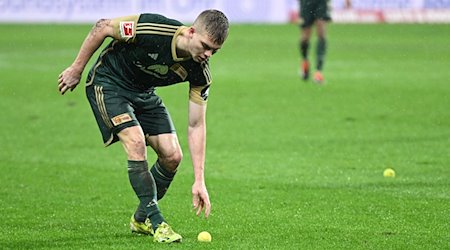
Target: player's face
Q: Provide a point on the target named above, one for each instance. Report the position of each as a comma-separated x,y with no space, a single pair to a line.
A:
202,48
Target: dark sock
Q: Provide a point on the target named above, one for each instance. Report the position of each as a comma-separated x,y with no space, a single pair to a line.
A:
144,186
140,214
163,178
304,45
321,50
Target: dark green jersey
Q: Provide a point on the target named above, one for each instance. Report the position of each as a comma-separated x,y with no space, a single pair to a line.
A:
145,57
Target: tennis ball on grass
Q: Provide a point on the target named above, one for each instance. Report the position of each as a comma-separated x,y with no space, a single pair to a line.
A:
204,237
389,172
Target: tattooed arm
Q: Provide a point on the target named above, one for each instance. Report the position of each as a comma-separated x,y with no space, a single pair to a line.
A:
71,76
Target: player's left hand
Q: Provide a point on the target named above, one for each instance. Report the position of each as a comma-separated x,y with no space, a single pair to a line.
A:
68,79
200,198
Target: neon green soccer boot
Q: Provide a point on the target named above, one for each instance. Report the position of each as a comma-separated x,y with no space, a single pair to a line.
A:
165,234
141,227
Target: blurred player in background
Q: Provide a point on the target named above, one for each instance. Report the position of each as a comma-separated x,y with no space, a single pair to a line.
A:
314,12
149,51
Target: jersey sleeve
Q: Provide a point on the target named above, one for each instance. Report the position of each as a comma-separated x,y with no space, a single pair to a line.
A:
199,86
199,94
125,28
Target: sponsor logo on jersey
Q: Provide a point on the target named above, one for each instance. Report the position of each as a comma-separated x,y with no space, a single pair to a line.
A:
127,29
159,70
119,119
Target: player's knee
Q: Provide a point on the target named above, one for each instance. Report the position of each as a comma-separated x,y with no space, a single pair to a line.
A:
172,160
136,149
175,158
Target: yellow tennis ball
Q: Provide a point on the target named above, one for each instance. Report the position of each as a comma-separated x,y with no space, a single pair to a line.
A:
389,172
204,237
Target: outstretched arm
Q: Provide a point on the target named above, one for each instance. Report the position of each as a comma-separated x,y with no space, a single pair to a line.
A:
197,148
71,76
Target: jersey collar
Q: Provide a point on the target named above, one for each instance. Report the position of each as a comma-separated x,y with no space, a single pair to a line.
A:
174,45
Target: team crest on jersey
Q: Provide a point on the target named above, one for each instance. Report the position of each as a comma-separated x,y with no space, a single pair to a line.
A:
180,71
127,29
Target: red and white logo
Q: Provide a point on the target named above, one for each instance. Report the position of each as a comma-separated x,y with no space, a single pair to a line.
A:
127,29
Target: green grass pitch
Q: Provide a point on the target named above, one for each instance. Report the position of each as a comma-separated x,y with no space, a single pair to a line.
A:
290,165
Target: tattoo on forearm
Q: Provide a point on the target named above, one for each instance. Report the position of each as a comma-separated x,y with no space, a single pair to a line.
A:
99,25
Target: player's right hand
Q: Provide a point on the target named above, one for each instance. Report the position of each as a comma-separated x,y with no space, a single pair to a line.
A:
68,79
200,199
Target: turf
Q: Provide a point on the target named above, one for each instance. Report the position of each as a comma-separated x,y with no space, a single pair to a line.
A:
290,164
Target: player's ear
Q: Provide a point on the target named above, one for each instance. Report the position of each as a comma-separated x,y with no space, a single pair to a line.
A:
191,31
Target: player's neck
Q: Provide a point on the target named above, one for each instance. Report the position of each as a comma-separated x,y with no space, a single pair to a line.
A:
182,44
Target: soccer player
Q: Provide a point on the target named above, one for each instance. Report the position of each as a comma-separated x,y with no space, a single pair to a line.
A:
314,12
150,51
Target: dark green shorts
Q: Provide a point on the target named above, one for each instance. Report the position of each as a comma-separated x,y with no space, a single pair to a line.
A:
311,10
116,109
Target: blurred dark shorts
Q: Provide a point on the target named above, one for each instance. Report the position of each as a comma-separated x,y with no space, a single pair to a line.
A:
312,10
